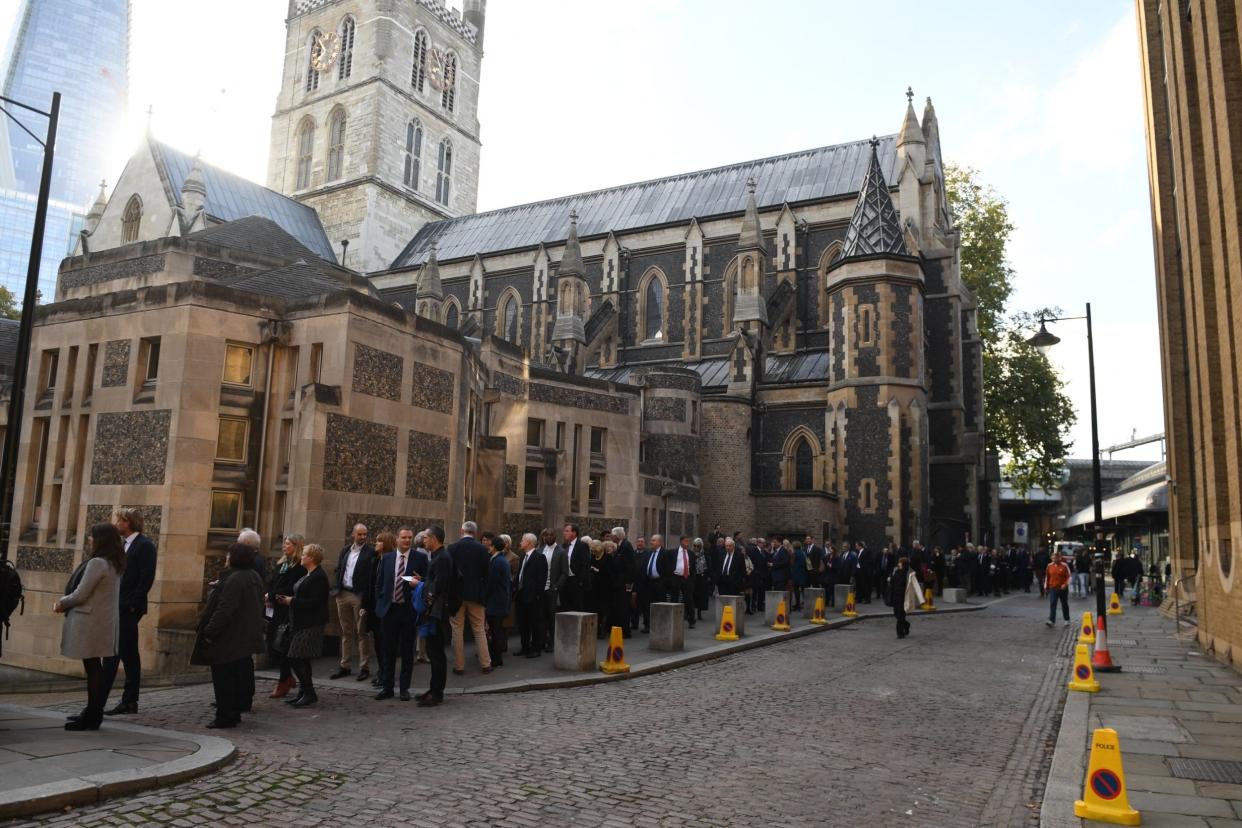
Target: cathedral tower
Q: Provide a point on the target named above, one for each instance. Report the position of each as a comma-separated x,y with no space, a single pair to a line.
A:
376,125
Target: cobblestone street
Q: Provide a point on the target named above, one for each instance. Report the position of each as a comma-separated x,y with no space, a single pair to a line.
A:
953,726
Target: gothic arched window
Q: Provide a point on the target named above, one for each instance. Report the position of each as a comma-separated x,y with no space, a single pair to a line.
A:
507,318
312,74
451,316
651,314
418,71
336,145
306,153
448,97
131,219
413,153
804,467
346,65
444,171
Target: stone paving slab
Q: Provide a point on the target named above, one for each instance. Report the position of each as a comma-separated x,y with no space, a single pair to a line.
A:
46,767
1193,711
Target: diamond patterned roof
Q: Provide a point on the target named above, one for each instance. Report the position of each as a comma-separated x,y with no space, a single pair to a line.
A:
875,228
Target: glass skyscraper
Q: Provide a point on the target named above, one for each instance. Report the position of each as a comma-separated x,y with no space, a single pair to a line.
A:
79,48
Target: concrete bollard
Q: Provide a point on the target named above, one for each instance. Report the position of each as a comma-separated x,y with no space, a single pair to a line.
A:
575,641
772,599
953,595
668,627
809,594
841,594
738,602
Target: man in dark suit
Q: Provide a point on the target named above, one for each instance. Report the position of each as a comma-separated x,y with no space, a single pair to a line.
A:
573,594
640,557
657,570
135,584
815,559
732,570
471,560
758,578
558,573
888,562
627,569
532,576
354,571
438,597
865,570
394,607
681,582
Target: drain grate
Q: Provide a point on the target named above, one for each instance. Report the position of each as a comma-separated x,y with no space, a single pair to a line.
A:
1125,642
1209,770
1148,669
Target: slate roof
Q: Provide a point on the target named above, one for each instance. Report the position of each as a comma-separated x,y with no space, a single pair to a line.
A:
231,197
8,344
255,234
299,280
826,172
808,366
875,228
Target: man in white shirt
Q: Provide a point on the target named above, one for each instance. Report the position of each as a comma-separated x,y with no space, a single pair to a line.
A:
354,568
681,587
558,576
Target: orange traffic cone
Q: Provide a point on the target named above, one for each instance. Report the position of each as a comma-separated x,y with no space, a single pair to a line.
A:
849,611
1100,659
782,618
817,614
728,626
615,662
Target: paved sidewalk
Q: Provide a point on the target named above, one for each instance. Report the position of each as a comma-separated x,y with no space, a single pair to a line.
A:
520,674
1178,714
44,767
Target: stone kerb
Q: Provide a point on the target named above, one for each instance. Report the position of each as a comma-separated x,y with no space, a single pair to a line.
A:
809,596
575,641
668,628
738,603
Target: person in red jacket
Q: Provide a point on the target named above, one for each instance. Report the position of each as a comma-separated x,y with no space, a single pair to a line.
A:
1056,583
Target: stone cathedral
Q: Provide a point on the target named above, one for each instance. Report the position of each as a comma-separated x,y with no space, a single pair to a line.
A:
782,345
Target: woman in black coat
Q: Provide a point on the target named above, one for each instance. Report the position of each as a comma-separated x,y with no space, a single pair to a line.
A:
308,615
287,572
897,595
230,632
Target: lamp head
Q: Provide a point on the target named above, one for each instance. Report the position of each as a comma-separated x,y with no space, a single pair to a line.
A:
1043,341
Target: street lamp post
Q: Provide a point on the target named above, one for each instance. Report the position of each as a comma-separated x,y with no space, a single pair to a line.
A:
1043,341
13,430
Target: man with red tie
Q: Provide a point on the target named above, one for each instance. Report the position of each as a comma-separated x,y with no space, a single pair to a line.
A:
682,581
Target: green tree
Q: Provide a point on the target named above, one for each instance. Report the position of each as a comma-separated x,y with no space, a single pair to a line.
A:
1029,416
8,305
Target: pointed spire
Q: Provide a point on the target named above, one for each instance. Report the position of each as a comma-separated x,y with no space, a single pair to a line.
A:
911,132
429,277
875,228
571,259
931,127
751,235
97,209
194,185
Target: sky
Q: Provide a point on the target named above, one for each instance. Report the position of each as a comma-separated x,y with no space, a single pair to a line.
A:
1043,99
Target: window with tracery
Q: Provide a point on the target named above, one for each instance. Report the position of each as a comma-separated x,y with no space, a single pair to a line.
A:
413,153
312,74
131,220
336,145
804,467
306,153
448,97
418,71
346,65
444,171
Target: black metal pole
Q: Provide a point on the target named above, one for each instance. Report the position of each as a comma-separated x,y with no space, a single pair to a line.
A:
1096,496
13,430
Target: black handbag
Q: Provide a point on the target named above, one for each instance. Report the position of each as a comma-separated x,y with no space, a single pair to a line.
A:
284,637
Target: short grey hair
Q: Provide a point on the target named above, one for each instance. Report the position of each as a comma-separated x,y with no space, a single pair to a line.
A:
508,539
250,538
659,538
619,532
530,537
470,528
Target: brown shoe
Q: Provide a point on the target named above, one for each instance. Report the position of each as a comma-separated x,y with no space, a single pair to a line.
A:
282,689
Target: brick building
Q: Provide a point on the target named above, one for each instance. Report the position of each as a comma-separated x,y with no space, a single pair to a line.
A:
1192,74
781,345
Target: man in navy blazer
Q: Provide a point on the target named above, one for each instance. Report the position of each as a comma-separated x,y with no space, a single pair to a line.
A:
471,560
532,577
135,584
394,607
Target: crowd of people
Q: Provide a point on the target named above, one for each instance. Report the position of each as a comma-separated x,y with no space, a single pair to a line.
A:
406,597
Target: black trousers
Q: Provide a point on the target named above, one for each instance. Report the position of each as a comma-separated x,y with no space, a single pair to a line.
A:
686,595
530,625
571,595
98,685
439,664
899,612
301,668
549,619
496,639
127,654
399,633
231,682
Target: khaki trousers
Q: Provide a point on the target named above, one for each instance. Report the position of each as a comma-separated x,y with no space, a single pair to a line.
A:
478,625
349,609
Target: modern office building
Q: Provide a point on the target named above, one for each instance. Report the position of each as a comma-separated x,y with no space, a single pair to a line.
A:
79,48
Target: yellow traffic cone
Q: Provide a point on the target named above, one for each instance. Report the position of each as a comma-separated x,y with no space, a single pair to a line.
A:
817,614
1086,632
849,611
1114,605
1084,677
615,662
728,626
782,618
928,604
1104,793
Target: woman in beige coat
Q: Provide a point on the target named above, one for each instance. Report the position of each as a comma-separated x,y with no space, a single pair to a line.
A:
92,619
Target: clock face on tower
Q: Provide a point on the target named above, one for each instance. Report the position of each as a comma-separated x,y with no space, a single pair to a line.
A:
435,72
325,50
